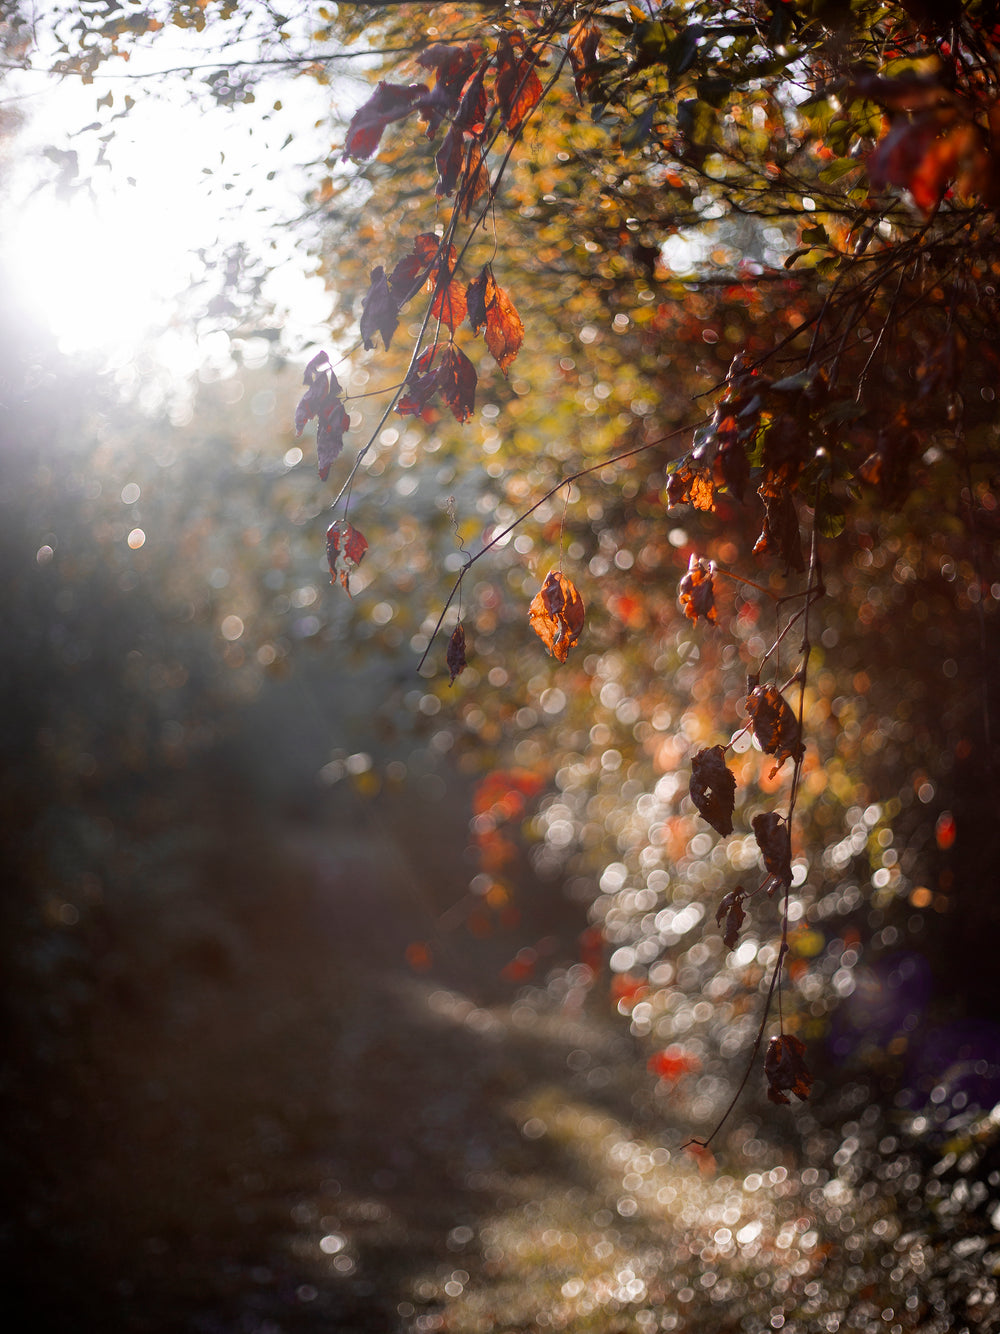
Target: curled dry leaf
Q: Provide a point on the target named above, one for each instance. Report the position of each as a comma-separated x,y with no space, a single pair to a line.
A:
345,547
713,788
556,614
731,910
775,726
456,653
697,590
785,1069
772,835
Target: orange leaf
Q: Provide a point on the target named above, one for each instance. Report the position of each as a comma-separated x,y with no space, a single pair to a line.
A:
518,87
556,614
450,304
489,304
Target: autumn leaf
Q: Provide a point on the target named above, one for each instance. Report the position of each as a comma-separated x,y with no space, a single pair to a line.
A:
731,909
475,181
454,65
457,382
582,42
322,401
556,614
449,305
449,159
713,788
333,422
775,726
413,269
379,312
453,377
490,305
345,547
456,653
772,835
781,524
421,383
689,485
785,1069
389,102
518,87
697,590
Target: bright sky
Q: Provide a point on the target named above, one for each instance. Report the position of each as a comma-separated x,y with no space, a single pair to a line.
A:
105,266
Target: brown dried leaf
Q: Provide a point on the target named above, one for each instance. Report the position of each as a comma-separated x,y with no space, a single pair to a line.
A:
785,1069
713,788
772,835
456,653
781,525
731,908
775,726
697,590
556,614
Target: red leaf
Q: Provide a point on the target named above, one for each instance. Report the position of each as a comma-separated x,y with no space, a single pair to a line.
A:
389,102
556,614
345,547
713,788
454,378
518,87
379,311
697,590
457,382
422,383
785,1069
456,653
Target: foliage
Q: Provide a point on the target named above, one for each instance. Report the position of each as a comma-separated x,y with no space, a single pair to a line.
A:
783,209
